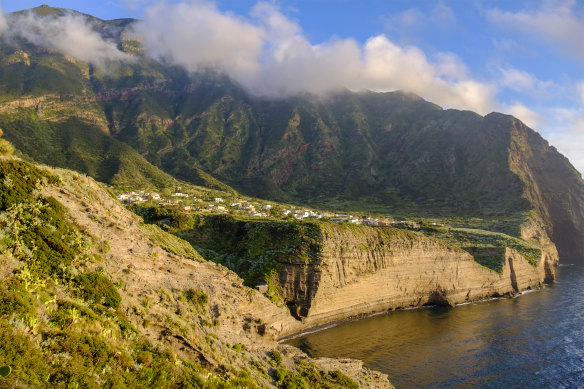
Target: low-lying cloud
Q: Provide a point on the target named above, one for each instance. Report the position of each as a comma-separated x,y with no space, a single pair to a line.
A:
268,54
199,37
72,35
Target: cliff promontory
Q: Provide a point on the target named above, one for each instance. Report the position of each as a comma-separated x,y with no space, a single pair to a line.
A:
365,270
325,272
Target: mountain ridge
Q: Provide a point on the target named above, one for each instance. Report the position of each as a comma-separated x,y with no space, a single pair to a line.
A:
388,152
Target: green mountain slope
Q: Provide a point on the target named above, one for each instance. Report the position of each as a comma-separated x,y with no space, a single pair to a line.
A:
385,152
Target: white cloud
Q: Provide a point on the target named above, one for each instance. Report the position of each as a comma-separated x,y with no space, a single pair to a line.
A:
443,15
570,144
521,80
508,45
566,131
388,66
581,92
414,19
556,23
133,5
197,36
531,118
71,35
405,21
269,55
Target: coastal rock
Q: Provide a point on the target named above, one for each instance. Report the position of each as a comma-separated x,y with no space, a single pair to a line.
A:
367,270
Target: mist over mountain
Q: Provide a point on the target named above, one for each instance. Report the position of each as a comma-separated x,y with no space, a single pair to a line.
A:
77,91
267,53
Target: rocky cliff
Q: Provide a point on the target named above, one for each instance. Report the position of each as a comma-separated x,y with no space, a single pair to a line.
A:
332,271
366,270
551,184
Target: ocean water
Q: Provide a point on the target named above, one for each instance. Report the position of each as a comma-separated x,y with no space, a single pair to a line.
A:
535,340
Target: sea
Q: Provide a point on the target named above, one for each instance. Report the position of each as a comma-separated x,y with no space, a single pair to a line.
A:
535,340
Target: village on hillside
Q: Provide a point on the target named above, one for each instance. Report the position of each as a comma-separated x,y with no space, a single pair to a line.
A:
191,203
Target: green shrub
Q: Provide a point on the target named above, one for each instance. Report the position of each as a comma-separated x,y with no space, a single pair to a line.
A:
103,247
276,357
288,380
6,148
97,288
14,299
342,380
197,297
274,287
26,360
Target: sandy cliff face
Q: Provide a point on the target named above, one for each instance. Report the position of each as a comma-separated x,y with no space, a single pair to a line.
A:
366,270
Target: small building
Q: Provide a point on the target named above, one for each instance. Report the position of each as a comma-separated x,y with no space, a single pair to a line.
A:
262,288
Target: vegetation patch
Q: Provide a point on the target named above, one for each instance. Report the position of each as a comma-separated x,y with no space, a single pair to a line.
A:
14,299
98,288
254,249
60,325
308,375
487,247
197,297
169,242
492,258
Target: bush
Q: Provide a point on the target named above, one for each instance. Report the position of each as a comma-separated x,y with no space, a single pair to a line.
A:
274,287
289,380
343,380
25,359
197,297
98,288
276,357
14,299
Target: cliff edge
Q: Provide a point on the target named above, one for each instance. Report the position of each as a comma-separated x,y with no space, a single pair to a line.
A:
325,272
366,270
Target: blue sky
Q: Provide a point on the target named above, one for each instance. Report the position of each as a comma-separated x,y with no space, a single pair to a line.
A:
521,57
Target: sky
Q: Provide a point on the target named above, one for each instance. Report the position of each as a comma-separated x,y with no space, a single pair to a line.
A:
521,57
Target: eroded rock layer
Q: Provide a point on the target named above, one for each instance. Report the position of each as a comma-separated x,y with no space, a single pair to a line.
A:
366,270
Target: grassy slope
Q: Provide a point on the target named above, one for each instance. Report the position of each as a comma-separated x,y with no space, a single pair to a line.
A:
60,313
389,152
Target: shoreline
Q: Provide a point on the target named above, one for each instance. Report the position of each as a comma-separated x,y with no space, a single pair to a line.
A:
335,323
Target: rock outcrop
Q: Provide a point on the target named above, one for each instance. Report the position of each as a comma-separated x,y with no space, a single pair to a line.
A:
366,270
